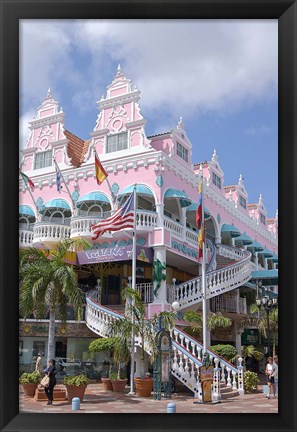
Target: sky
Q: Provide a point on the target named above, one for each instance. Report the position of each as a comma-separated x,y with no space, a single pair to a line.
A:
220,76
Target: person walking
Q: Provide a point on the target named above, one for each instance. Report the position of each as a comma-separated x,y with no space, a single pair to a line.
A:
269,372
275,364
38,365
51,372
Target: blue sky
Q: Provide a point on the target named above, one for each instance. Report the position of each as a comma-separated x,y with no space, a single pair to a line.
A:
220,76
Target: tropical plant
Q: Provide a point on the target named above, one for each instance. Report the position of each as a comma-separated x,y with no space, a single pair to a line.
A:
77,380
47,285
250,351
214,321
136,324
30,378
250,381
229,352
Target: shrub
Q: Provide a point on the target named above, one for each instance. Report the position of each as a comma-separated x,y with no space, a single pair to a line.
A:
78,380
113,376
30,378
102,344
228,352
250,381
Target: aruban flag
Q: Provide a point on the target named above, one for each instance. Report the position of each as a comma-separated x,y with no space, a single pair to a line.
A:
100,171
200,242
199,208
28,181
122,218
58,178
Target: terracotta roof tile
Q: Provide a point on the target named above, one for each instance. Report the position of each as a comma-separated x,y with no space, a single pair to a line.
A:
76,148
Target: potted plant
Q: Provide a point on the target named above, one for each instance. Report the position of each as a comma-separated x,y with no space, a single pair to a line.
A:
30,382
118,383
142,328
76,386
104,345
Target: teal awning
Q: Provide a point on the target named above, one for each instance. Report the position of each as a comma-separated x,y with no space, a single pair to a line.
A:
244,238
141,189
193,208
256,246
26,210
92,197
183,198
56,204
267,277
274,258
230,229
266,253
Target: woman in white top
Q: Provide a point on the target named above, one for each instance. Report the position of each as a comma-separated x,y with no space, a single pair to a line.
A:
270,371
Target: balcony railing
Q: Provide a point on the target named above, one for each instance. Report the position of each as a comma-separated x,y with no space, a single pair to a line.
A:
49,232
25,238
228,304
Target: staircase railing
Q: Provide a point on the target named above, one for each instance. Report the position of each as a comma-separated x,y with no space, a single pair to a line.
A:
217,281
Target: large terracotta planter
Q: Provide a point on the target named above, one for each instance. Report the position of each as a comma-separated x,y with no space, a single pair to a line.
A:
119,385
29,389
106,384
59,394
75,391
143,386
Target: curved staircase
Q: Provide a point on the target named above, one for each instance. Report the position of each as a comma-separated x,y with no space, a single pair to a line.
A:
233,269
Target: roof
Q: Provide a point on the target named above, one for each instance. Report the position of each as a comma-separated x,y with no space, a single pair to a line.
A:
160,134
76,148
251,206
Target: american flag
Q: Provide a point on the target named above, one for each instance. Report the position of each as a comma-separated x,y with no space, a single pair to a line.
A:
122,218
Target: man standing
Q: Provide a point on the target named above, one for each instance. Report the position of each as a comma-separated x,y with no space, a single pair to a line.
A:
275,364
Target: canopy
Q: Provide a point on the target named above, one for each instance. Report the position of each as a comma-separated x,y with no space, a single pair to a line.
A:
92,197
267,277
141,189
26,210
183,198
231,229
244,238
274,258
256,246
56,204
266,253
193,208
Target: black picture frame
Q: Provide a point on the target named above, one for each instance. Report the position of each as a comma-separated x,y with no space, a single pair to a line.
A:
11,12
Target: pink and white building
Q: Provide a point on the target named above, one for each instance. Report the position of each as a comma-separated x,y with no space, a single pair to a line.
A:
242,239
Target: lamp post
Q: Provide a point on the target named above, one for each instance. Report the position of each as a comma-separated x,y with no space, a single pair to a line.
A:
268,305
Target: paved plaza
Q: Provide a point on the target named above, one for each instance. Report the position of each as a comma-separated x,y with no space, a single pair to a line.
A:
97,400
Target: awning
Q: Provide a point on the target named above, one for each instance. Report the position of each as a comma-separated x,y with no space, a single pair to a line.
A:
267,277
274,258
92,197
141,189
266,253
230,229
56,204
193,208
256,246
183,198
244,238
26,210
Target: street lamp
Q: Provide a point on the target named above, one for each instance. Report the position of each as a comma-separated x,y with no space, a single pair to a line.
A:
268,305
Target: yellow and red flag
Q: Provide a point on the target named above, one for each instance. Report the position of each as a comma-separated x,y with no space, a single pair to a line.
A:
100,171
200,242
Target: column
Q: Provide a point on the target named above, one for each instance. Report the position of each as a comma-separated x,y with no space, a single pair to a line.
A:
160,213
183,221
218,240
160,294
208,332
238,331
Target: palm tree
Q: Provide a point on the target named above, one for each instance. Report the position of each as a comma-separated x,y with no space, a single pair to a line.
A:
250,351
214,321
136,323
47,285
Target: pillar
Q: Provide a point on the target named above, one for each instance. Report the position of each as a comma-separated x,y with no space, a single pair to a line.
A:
161,297
238,332
208,333
160,213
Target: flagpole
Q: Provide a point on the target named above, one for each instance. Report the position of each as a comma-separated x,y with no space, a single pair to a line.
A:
68,191
203,277
107,181
29,190
134,289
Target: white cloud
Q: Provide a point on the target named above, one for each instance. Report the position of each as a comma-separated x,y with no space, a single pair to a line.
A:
181,67
24,131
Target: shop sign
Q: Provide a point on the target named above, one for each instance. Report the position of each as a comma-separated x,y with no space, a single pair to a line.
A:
117,253
250,337
206,378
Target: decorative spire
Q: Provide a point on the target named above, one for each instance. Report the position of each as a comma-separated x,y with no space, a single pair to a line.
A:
49,95
230,195
214,156
276,215
260,199
200,169
119,72
240,181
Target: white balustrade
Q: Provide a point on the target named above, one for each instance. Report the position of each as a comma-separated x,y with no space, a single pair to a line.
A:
25,238
145,290
175,227
192,236
228,304
146,220
50,232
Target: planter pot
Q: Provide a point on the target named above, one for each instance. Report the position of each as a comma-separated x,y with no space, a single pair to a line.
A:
118,386
143,386
106,384
29,389
59,394
75,391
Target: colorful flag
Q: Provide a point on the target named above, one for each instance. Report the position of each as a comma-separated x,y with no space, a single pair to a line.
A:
28,181
122,218
200,242
58,178
199,208
100,171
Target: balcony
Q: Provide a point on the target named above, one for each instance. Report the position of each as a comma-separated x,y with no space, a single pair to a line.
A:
228,304
50,233
26,235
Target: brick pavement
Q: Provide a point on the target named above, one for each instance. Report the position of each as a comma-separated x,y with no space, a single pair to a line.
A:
97,400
